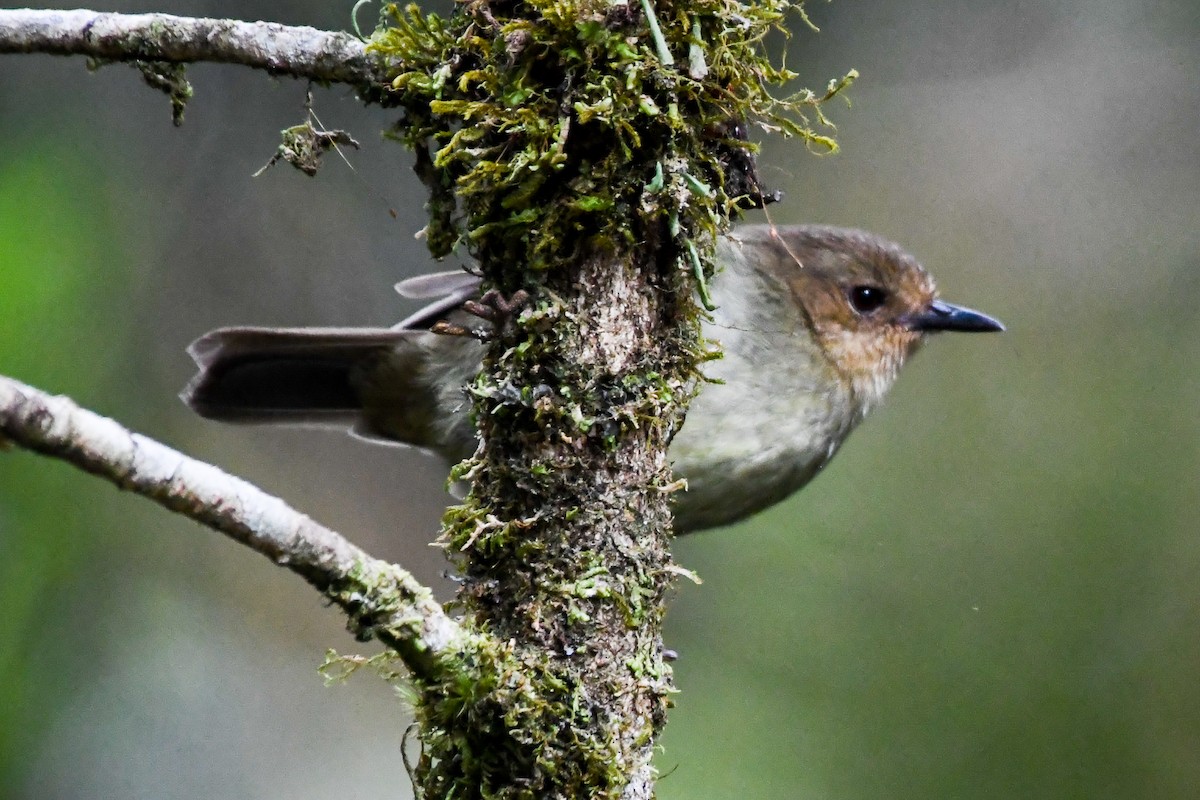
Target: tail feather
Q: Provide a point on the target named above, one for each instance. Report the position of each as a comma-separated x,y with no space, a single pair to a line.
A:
284,375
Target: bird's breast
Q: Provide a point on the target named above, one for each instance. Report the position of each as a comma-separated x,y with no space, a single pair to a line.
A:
756,438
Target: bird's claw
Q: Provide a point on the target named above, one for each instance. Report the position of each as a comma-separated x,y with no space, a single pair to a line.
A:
492,307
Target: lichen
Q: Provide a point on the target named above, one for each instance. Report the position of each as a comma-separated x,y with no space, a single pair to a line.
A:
171,80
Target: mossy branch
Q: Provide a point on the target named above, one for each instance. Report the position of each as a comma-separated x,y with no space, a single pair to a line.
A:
568,152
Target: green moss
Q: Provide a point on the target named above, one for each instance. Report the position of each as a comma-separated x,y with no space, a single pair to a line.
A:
171,80
527,725
338,668
519,103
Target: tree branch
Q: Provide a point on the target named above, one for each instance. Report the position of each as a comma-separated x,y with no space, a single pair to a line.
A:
381,599
301,52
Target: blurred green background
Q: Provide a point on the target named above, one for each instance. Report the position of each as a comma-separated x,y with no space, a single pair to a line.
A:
994,591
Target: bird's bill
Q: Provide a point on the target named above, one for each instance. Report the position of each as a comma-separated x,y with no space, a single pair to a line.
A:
942,316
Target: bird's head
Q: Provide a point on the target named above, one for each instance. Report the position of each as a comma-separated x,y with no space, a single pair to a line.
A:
868,303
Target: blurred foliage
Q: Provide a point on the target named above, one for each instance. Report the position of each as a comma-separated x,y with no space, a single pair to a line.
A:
49,292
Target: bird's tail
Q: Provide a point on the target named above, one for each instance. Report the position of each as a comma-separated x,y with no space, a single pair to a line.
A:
286,375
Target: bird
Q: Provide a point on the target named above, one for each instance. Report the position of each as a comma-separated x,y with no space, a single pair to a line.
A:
814,323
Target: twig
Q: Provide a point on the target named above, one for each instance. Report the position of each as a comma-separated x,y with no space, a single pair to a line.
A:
381,599
302,52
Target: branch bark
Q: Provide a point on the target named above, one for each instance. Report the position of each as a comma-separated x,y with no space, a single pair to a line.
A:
382,600
298,51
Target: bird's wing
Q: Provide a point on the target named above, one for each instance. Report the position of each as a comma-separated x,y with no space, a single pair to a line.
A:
437,284
452,289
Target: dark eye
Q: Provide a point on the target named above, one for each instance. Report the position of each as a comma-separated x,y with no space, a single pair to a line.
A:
866,299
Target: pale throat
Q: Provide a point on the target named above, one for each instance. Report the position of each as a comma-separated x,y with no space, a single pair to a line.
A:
870,362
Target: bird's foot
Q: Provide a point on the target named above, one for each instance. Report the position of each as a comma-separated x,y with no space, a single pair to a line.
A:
492,307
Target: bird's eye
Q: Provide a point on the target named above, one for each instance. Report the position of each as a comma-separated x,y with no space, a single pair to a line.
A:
866,299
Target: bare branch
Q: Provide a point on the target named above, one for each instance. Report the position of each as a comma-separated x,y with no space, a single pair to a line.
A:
381,599
301,52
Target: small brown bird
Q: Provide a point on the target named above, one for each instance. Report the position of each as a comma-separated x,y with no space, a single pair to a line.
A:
815,323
